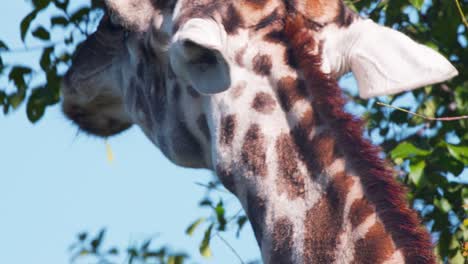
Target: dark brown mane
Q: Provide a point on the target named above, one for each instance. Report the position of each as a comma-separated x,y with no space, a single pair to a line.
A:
376,176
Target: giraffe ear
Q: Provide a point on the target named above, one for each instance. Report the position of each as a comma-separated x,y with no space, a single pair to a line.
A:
135,15
197,56
384,61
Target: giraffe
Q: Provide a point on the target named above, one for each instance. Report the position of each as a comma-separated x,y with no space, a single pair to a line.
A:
248,89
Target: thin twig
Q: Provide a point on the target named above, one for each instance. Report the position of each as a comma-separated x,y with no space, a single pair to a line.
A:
211,187
461,13
231,248
456,118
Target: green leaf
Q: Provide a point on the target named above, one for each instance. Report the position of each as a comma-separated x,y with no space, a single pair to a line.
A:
41,33
191,229
416,173
240,223
3,46
62,4
17,75
113,251
41,4
45,58
37,102
26,22
177,259
59,21
443,204
417,3
220,215
407,150
82,236
459,152
205,250
96,242
80,14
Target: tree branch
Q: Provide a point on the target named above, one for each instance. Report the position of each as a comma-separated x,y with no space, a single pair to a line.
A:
455,118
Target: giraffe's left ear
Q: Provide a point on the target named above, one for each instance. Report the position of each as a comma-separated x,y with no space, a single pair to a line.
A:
197,55
384,61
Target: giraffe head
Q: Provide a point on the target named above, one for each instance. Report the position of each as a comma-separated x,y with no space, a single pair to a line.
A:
171,66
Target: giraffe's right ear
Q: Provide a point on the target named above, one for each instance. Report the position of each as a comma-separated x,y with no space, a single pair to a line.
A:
384,61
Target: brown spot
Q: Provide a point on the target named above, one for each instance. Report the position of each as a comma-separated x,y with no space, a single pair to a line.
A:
264,103
256,4
376,247
256,210
228,127
290,59
360,210
262,64
290,90
232,20
238,89
253,152
203,126
290,179
268,20
276,36
227,178
283,241
325,221
324,152
240,56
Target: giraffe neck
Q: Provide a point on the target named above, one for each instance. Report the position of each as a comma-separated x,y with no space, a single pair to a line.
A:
314,189
305,203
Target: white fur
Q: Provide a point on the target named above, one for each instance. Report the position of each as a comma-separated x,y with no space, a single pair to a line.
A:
384,61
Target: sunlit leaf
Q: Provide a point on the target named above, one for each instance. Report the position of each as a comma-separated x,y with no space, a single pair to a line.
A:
417,3
205,250
406,150
459,152
220,216
191,229
109,153
443,204
416,172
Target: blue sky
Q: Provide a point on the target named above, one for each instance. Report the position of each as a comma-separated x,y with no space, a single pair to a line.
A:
54,184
